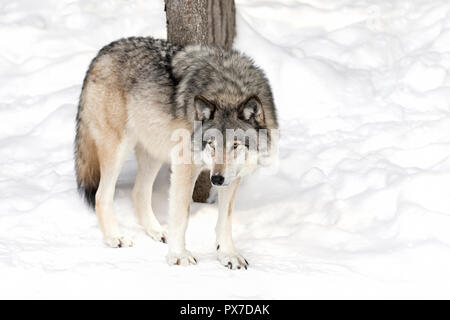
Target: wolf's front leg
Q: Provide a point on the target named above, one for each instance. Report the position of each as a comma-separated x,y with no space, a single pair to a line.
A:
226,253
181,186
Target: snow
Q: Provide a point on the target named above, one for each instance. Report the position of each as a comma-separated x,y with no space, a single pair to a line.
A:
359,203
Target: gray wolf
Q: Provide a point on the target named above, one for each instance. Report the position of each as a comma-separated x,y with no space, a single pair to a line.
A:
137,94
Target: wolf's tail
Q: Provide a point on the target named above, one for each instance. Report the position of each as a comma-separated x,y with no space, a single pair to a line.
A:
87,166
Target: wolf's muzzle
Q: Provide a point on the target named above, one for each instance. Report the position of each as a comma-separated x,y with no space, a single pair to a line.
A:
217,180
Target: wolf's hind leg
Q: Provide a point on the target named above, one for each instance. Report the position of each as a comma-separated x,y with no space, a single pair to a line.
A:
226,253
112,154
148,168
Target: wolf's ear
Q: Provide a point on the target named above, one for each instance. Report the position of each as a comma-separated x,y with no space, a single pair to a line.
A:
204,109
252,109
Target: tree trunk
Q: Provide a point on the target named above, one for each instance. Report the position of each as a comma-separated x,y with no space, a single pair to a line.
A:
209,22
201,22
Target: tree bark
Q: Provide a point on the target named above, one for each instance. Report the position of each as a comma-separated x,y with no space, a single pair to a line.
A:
201,22
210,22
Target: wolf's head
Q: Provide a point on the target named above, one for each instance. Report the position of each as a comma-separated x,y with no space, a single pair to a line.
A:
232,137
231,99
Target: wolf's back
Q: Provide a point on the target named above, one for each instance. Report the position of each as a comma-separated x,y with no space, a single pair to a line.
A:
118,68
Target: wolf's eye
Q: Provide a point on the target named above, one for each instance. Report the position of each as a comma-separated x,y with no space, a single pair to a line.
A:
211,143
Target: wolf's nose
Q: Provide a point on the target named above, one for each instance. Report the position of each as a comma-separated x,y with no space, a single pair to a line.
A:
217,180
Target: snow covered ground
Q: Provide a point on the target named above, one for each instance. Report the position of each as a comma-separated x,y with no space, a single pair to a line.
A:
358,208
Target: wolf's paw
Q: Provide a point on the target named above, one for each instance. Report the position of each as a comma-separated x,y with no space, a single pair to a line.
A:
232,260
159,234
118,242
182,259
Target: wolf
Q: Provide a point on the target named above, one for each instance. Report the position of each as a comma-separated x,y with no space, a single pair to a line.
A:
137,94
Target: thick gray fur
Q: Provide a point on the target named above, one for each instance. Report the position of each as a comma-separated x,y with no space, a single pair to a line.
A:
151,69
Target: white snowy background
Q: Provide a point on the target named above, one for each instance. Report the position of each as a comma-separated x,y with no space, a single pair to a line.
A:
358,208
